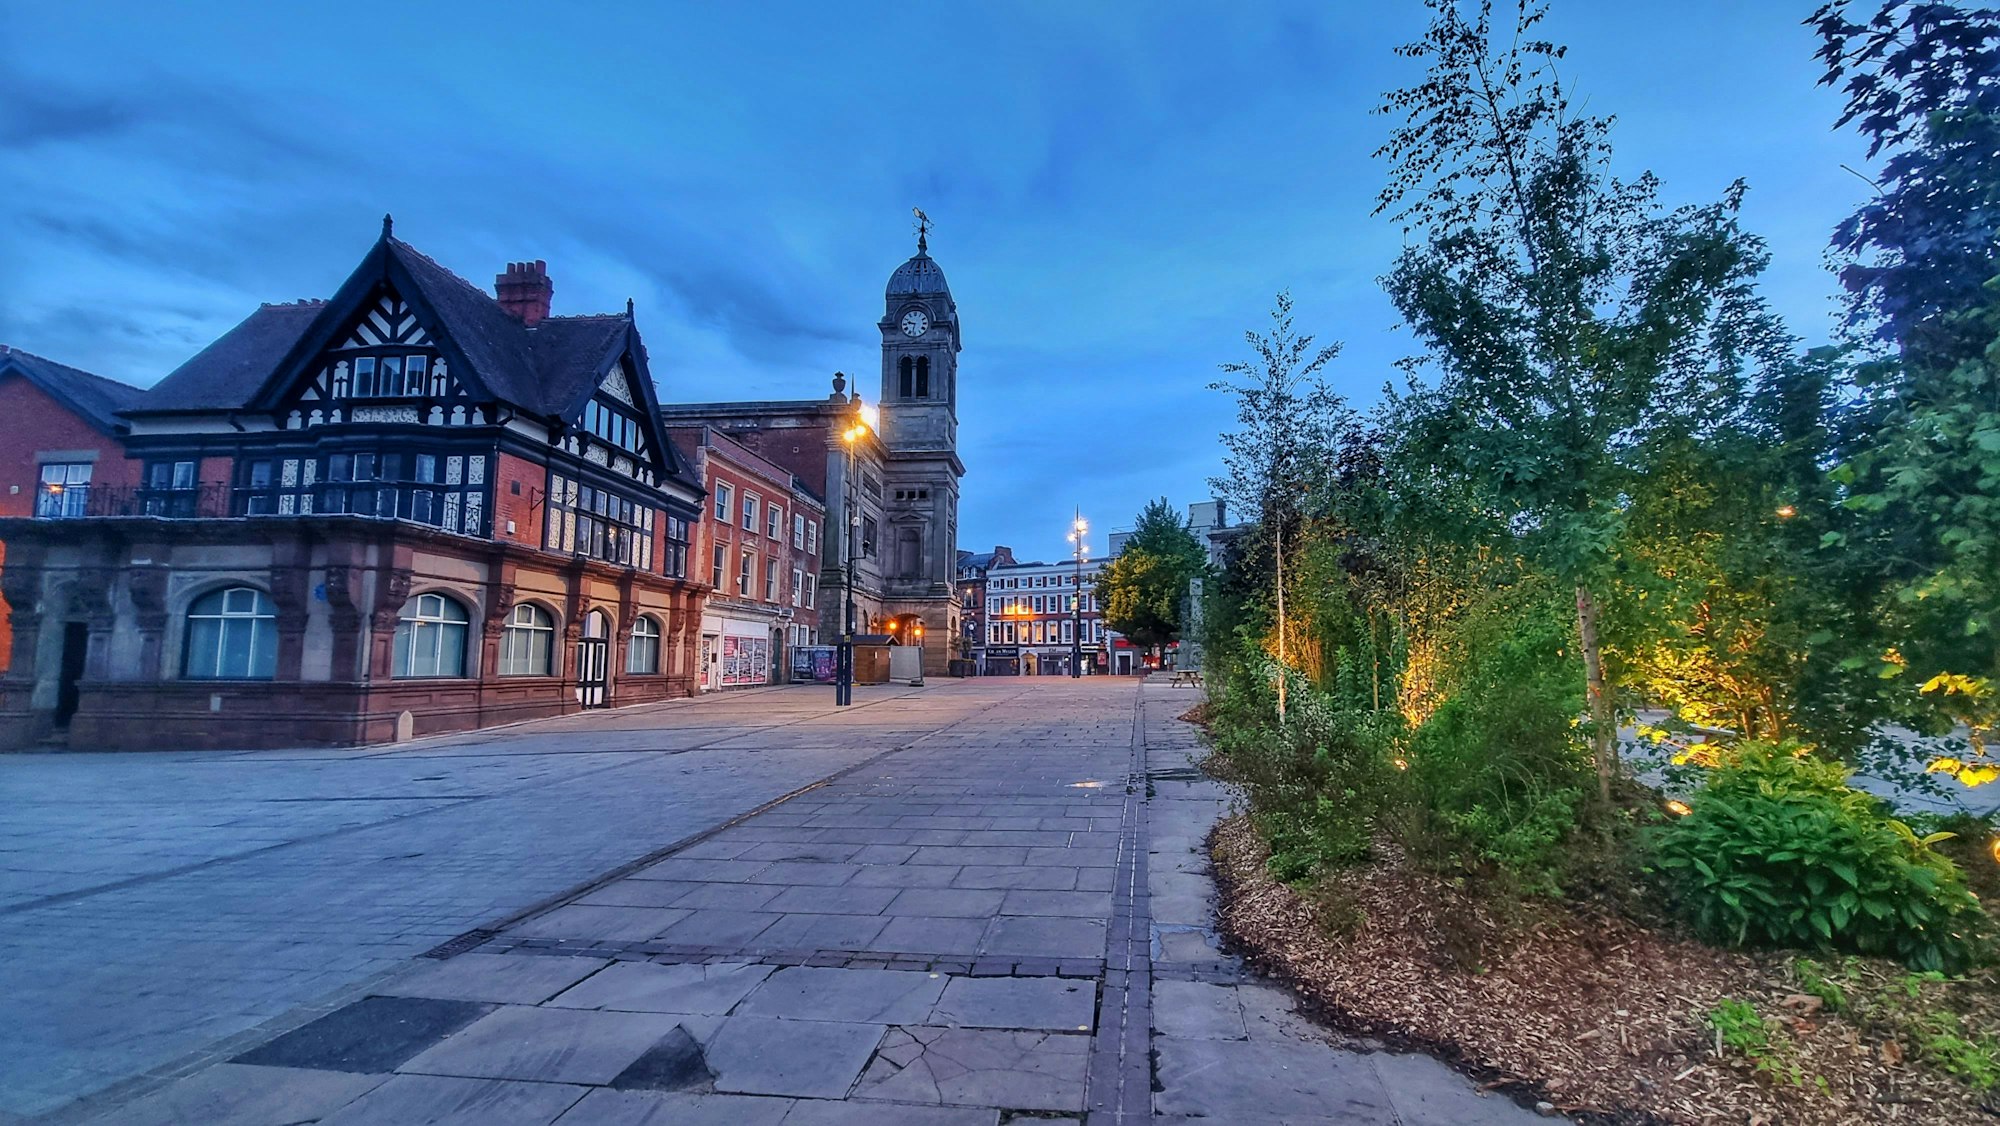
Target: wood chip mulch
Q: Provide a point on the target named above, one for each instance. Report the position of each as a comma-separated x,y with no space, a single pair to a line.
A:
1603,1018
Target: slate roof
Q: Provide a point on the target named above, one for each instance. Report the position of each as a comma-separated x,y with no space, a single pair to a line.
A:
226,374
93,398
549,369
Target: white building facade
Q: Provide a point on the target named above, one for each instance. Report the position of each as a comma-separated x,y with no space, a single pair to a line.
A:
1032,619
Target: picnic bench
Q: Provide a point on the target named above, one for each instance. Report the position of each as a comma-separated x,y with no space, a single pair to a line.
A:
1189,677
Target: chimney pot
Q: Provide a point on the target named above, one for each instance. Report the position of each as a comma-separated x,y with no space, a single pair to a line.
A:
525,291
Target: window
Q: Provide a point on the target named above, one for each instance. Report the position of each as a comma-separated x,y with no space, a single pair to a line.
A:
586,520
749,512
64,490
430,638
799,530
526,642
745,566
232,635
613,426
812,590
723,493
715,569
435,487
798,586
867,536
643,658
770,579
170,489
923,377
812,536
774,522
364,377
675,554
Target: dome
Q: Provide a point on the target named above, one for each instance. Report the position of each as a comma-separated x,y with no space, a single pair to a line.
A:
919,276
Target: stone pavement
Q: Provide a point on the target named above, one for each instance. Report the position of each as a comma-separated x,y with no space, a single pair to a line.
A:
157,905
1008,919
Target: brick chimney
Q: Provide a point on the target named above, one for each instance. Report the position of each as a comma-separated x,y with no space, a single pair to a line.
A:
525,291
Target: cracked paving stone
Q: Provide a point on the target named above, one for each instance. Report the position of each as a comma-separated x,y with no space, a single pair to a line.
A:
978,1067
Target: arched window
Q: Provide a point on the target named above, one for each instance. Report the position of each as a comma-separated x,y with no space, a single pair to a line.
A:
923,377
430,638
526,642
232,635
643,657
904,368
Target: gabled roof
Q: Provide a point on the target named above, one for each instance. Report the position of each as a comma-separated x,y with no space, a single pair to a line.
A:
93,398
224,375
547,370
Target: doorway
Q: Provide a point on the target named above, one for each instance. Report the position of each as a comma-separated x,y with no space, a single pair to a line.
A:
593,651
75,647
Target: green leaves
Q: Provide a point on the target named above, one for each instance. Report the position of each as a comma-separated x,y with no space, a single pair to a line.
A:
1779,851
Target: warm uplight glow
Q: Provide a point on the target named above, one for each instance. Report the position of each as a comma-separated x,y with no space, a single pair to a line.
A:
1679,808
1401,763
1786,511
1994,848
870,416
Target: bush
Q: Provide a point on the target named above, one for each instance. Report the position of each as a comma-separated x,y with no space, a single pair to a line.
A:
1498,773
1778,850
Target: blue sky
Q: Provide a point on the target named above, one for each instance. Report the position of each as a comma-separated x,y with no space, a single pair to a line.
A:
1119,188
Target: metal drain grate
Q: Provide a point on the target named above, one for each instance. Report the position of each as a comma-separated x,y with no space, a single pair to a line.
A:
453,947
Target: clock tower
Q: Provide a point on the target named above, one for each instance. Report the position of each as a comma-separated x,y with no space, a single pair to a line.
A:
919,433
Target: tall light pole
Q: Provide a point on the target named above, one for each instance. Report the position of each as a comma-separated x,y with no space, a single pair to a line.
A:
843,661
1080,549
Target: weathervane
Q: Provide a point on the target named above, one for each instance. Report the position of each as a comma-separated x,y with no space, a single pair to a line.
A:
923,228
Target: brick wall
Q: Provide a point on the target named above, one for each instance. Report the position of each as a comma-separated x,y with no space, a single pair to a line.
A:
524,507
33,424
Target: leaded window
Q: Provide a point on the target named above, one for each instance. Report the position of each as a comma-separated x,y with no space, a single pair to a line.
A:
587,520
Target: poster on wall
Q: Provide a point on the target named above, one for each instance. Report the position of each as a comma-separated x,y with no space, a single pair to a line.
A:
813,664
745,660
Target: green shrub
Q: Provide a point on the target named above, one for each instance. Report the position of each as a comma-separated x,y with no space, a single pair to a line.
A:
1779,851
1943,1042
1498,773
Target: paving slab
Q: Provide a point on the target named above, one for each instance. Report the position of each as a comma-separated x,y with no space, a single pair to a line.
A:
374,1034
808,1058
1044,936
435,1100
649,988
979,1067
1054,1004
662,1108
499,978
860,995
579,920
1198,1010
234,1094
546,1045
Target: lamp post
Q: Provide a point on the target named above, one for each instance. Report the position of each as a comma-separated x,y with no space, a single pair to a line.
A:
1080,549
843,661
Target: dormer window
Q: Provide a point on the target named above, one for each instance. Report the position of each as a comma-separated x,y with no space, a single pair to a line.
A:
613,426
386,377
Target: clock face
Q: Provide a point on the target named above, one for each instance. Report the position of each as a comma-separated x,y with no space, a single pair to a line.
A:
915,323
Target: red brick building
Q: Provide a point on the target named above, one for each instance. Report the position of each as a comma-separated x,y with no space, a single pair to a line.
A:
411,507
760,544
60,437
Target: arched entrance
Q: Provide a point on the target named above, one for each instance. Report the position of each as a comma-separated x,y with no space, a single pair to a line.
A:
593,659
906,648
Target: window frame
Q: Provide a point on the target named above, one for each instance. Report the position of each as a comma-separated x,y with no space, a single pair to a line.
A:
261,620
647,634
403,649
71,495
529,643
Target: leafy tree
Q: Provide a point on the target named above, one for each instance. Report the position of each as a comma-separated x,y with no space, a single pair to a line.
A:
1923,279
1291,423
1146,588
1572,322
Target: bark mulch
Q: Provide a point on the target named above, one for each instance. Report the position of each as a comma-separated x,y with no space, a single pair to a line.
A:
1601,1017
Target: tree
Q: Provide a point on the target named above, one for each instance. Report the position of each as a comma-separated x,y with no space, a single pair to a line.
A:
1572,323
1291,424
1923,279
1146,588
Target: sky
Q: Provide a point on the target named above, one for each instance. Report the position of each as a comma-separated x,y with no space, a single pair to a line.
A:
1119,189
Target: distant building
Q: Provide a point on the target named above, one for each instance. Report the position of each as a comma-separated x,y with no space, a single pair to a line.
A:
759,550
972,569
1031,618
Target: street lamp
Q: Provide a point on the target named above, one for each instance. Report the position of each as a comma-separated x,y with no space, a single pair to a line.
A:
1080,549
843,661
